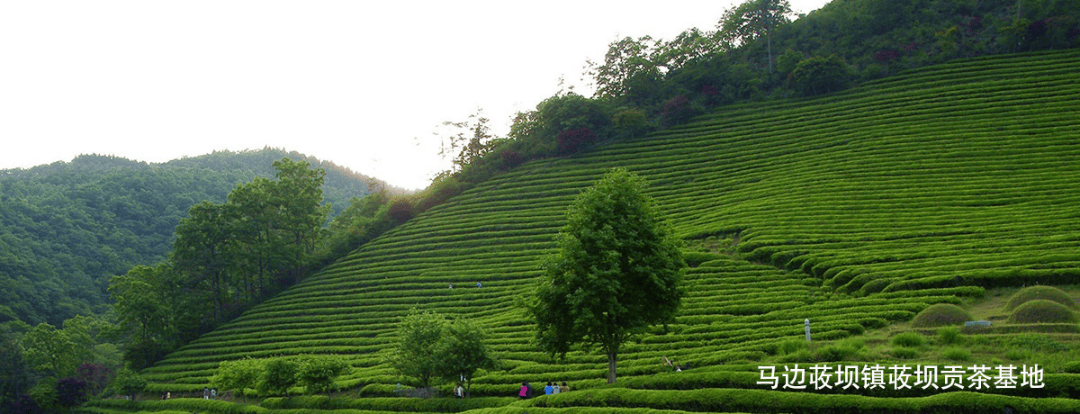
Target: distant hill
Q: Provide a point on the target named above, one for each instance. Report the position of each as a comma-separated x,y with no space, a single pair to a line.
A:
855,210
67,227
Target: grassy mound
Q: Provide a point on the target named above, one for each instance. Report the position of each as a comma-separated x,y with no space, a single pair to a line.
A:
942,314
1042,311
1040,292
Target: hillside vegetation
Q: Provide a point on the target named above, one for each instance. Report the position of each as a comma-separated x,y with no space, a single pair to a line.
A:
67,227
855,210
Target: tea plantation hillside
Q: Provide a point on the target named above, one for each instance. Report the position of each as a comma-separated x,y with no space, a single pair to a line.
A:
856,210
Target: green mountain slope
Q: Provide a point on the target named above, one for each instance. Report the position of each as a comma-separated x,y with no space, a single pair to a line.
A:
856,211
67,227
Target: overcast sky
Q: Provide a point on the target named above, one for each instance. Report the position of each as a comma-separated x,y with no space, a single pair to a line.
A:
361,85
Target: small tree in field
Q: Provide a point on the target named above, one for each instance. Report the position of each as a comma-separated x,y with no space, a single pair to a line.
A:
277,376
430,347
617,271
317,372
238,375
128,382
462,351
414,353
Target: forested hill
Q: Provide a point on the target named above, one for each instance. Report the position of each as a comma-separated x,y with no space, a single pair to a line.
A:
67,227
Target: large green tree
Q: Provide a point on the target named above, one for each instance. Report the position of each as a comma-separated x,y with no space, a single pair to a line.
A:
202,253
616,272
50,351
13,371
629,69
298,197
754,19
225,258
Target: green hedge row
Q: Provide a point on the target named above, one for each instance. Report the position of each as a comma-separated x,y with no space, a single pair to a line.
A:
742,400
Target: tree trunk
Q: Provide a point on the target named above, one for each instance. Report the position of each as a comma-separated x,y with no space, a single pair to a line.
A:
612,356
768,40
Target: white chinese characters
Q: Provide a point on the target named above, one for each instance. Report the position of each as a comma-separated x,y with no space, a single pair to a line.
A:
898,377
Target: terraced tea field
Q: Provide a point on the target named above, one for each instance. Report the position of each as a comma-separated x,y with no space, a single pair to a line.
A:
856,211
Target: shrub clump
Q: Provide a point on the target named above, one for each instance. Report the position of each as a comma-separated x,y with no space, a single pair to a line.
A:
402,210
1040,292
908,340
573,140
677,110
949,335
942,314
793,345
817,75
1042,311
905,353
1072,367
956,354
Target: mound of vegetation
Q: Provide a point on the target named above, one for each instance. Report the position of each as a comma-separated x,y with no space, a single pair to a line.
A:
1042,311
942,314
1040,292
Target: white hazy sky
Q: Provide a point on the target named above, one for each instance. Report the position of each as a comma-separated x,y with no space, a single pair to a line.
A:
362,84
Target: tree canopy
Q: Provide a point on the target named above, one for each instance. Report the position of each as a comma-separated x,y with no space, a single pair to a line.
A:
225,258
429,347
67,227
755,19
617,271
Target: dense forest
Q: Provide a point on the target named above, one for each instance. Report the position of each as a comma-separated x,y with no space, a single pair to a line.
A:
67,227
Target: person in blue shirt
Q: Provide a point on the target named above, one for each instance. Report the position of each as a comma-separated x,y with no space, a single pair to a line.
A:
548,389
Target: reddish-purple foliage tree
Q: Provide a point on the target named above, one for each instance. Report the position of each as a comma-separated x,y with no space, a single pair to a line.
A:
70,391
1037,29
676,110
572,140
887,55
96,376
27,405
511,159
402,210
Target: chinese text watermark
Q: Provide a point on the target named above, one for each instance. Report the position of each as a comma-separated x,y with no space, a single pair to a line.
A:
898,377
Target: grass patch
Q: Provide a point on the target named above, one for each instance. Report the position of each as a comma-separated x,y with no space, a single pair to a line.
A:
949,335
956,354
1016,355
908,340
905,353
